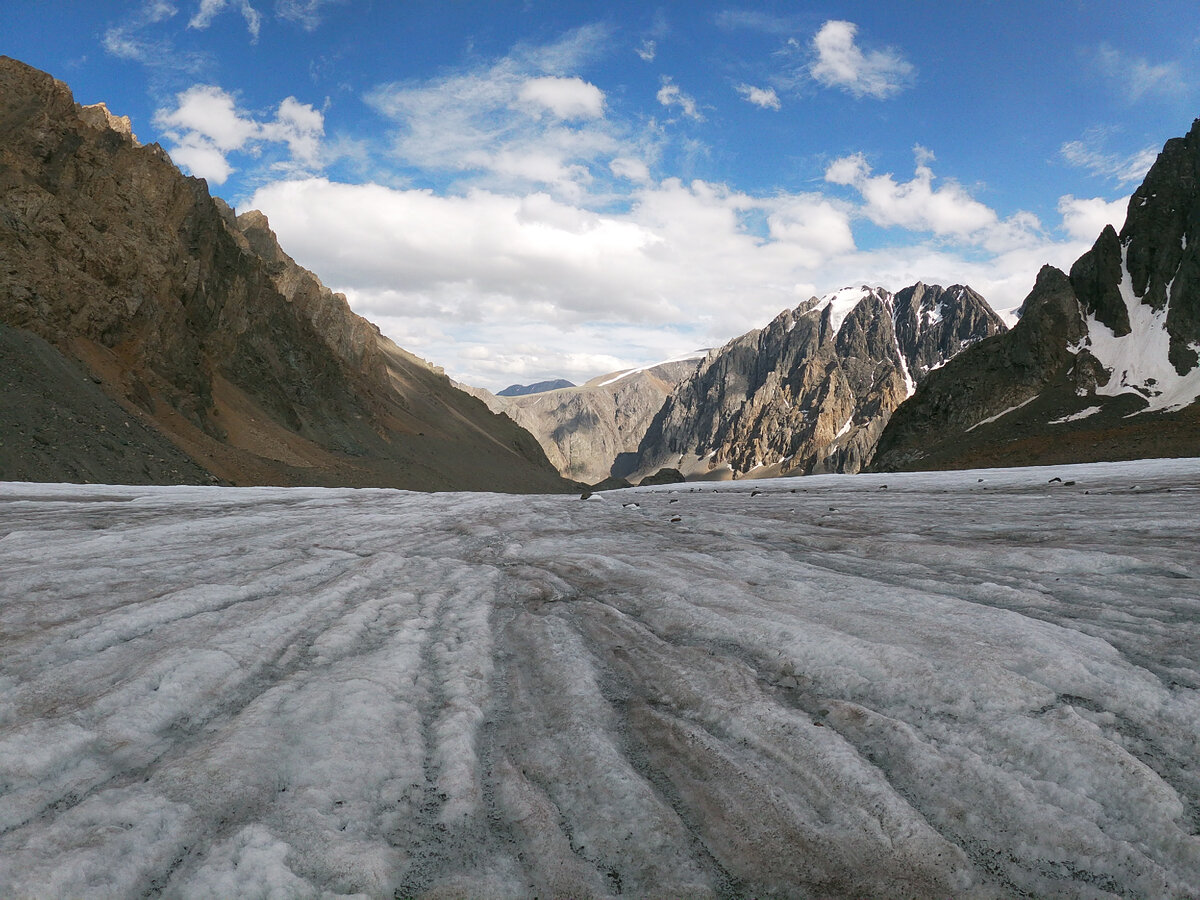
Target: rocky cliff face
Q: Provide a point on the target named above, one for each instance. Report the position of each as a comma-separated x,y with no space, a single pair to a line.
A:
197,325
812,391
1104,362
593,431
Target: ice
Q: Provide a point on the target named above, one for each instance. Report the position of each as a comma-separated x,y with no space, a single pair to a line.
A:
951,684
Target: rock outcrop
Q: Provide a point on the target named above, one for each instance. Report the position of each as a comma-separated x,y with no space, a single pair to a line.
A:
1104,362
592,432
197,326
812,391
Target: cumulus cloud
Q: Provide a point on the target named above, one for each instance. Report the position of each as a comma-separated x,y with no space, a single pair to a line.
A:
630,169
1089,154
688,264
946,209
1084,218
565,98
670,95
210,9
205,126
1135,77
842,64
764,97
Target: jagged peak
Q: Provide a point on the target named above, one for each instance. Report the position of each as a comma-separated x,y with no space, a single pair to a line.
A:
98,115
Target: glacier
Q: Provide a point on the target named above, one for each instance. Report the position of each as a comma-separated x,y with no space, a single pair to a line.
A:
951,684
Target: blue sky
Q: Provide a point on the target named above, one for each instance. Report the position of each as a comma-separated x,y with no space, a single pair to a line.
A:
524,190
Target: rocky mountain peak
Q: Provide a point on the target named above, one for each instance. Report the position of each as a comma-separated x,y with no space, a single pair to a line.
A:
1104,363
812,390
98,116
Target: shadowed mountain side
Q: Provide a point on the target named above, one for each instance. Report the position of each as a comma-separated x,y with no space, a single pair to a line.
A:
195,323
1102,365
58,425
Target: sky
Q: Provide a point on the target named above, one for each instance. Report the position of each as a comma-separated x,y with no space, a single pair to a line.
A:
518,191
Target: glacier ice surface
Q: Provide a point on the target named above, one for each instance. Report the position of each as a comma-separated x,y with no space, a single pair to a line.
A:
971,684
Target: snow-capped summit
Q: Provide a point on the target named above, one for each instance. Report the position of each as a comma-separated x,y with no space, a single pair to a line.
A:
812,390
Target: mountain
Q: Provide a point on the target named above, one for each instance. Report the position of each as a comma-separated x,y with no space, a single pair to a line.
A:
593,431
150,335
1103,364
812,391
540,387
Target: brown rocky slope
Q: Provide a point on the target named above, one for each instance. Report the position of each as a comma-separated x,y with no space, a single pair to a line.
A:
197,327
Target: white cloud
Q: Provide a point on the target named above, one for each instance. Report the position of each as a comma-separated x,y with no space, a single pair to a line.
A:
128,40
205,127
301,127
210,9
670,95
523,122
555,249
630,169
1085,218
841,63
305,13
566,98
764,97
1089,154
647,50
1135,77
945,210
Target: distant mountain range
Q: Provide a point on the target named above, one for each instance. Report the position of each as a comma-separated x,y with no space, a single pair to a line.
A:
540,387
593,431
1104,363
149,335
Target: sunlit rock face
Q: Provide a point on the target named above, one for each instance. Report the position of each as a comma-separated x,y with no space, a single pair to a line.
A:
1105,362
592,431
975,684
812,391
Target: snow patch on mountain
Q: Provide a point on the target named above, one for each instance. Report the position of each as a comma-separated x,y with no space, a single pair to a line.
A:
1138,361
842,302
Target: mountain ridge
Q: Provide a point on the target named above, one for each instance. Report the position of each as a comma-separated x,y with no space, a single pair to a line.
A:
811,391
1104,363
194,322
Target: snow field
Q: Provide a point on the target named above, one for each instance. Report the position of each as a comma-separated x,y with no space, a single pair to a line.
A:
972,684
